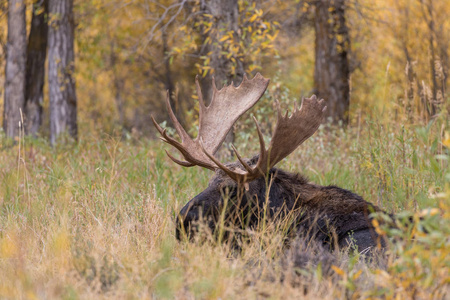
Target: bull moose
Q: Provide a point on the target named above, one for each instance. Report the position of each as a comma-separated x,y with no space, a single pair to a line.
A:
246,191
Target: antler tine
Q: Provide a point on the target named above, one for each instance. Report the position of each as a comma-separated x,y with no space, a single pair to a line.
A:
180,130
199,94
252,173
243,162
167,139
232,174
180,162
262,149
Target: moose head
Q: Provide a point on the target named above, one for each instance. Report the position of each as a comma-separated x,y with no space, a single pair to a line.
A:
244,191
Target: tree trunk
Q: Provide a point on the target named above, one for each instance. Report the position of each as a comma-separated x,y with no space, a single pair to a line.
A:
35,74
332,69
168,81
63,100
15,67
226,18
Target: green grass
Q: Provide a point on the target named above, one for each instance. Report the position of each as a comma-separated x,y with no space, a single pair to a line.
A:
95,220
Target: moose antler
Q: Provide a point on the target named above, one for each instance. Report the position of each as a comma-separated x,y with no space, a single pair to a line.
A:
215,120
227,105
290,132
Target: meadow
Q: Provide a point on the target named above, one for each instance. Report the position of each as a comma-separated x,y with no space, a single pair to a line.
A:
95,220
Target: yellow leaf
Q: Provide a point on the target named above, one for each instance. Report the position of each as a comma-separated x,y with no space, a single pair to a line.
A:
375,223
357,274
272,37
338,271
446,141
224,38
253,18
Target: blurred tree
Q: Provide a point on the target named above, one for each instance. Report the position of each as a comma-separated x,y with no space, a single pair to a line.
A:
35,71
130,52
63,100
332,68
438,57
15,67
3,17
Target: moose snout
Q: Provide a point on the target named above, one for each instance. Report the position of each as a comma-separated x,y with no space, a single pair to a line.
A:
198,209
187,215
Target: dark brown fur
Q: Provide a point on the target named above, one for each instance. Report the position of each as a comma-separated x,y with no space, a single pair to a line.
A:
328,214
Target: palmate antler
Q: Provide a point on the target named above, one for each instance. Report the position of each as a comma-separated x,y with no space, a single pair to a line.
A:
227,105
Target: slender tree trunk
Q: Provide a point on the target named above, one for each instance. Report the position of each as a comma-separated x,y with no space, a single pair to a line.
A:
15,67
438,78
332,69
410,72
63,100
434,88
411,76
168,81
36,53
3,10
118,83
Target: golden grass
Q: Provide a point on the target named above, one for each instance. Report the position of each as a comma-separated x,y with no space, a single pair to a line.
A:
95,221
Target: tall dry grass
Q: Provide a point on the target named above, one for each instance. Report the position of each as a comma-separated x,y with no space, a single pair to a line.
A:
94,220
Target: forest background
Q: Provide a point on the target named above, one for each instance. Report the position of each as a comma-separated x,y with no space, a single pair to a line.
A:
128,53
87,210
